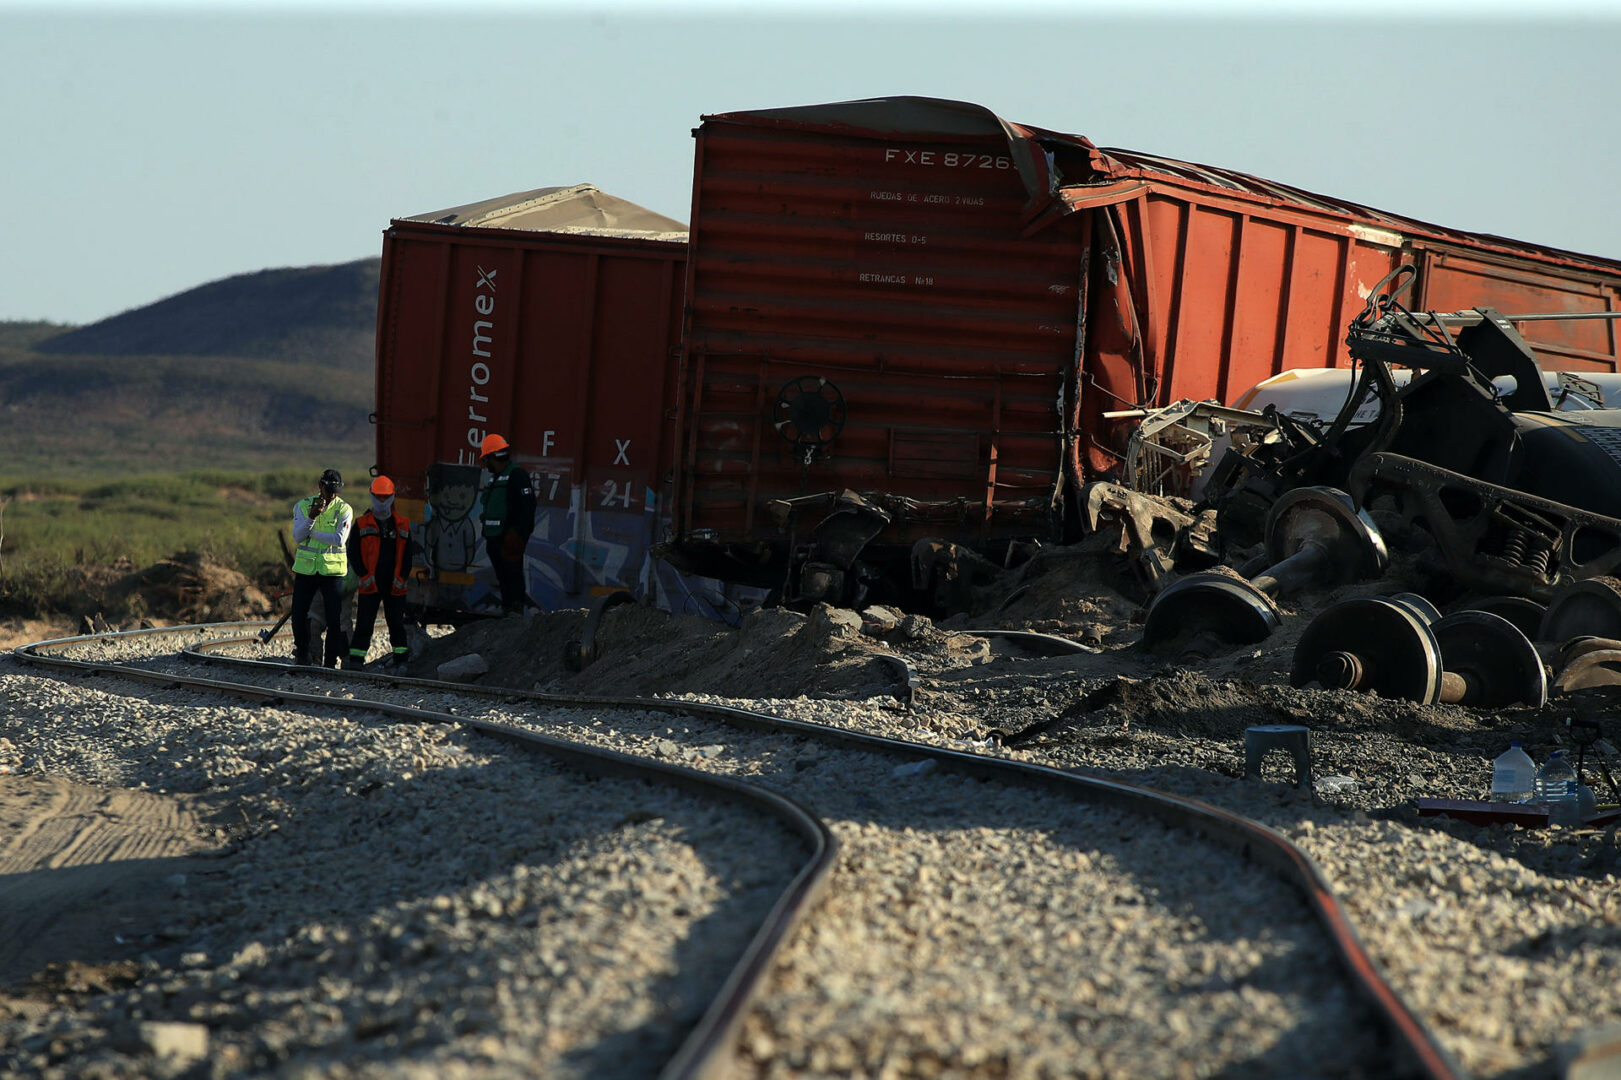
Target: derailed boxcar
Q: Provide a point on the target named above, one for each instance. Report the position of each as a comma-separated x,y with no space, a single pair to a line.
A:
552,317
908,319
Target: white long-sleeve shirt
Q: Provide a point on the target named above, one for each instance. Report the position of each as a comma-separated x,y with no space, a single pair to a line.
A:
304,526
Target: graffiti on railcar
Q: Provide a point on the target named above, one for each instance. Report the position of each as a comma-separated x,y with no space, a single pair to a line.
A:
588,539
450,531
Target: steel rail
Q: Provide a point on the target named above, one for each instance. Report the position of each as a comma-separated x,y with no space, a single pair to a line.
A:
1046,644
1475,318
1251,839
1414,1043
706,1052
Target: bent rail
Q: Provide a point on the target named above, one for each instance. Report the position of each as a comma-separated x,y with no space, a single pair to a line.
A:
704,1053
1415,1043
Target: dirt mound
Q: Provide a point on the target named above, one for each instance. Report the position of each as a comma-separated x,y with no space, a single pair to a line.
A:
1177,702
187,587
1077,592
642,651
1182,702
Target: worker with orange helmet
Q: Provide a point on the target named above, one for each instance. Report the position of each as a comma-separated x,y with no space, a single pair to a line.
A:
380,556
508,518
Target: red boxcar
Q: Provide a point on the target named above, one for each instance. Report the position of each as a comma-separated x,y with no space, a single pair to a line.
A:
553,318
917,301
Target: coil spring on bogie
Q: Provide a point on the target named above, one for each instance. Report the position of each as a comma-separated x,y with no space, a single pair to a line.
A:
1527,549
1514,545
1539,560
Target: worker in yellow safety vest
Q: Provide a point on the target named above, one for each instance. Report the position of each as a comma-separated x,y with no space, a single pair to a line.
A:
321,525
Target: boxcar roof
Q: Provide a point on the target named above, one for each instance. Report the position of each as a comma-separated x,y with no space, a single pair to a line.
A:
1065,172
579,209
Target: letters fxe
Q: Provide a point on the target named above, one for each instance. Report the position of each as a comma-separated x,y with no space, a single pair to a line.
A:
949,159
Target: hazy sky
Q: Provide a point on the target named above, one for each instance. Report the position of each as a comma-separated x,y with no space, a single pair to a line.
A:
146,151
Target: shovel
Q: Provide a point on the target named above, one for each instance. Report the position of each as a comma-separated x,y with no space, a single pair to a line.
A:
266,635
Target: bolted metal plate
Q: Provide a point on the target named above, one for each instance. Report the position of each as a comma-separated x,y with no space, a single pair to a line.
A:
1499,662
1397,654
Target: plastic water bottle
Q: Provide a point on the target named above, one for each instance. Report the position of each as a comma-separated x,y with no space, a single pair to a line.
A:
1586,802
1514,776
1556,786
1565,808
1553,776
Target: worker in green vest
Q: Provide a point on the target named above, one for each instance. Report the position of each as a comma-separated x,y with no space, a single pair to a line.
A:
508,517
321,525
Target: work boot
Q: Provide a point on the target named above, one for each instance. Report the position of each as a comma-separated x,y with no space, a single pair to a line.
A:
353,663
301,658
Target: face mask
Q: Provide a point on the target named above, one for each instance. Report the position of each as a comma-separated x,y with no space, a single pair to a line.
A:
382,508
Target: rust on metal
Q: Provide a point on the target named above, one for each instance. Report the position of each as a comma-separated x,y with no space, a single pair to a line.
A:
985,292
553,318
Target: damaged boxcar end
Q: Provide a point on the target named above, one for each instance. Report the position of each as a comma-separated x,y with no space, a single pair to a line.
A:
1519,498
553,317
998,305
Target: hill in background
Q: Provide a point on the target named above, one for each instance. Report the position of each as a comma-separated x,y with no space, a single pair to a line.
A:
259,371
25,335
324,315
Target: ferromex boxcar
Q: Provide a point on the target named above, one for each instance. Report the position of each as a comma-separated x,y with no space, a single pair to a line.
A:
907,319
553,318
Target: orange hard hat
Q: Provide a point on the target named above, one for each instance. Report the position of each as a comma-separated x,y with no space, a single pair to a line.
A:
493,444
382,487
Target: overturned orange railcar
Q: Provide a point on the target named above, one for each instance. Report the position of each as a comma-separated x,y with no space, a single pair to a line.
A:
918,301
552,317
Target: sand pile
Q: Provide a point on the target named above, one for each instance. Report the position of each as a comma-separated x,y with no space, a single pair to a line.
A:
774,652
188,587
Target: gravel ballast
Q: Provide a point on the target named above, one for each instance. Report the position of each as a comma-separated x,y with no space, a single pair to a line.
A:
973,927
969,933
394,900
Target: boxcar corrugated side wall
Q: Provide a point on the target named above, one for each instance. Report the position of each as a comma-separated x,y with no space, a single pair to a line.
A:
1227,280
983,293
566,345
908,298
893,269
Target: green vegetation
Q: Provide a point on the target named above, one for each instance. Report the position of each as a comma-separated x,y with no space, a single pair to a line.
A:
191,424
25,335
58,537
71,416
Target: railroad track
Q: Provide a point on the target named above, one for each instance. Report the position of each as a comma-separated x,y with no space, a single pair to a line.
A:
1049,824
704,1050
